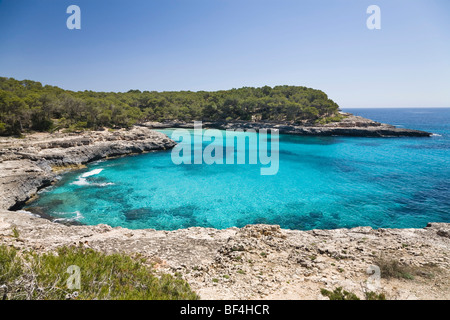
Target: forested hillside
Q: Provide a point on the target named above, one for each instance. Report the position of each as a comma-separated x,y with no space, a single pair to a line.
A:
28,105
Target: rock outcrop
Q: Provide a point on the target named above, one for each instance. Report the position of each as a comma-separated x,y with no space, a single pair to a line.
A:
28,164
262,261
350,126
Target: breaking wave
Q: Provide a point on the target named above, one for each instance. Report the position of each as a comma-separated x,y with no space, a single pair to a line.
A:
82,181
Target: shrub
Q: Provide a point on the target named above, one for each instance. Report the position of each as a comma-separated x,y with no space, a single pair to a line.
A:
375,296
339,294
391,268
10,266
106,277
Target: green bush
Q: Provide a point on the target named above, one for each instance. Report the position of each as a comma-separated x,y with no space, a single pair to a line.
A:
104,277
326,120
375,296
339,294
10,265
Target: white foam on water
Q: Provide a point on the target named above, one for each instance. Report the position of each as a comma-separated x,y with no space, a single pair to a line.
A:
82,179
104,184
81,182
436,135
28,212
77,217
91,173
98,161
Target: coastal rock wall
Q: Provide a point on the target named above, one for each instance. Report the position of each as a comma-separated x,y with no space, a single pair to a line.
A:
26,165
352,126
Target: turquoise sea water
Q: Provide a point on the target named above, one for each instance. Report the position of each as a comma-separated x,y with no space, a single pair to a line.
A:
322,182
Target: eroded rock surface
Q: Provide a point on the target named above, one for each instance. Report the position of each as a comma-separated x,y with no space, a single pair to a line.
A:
28,164
351,125
261,261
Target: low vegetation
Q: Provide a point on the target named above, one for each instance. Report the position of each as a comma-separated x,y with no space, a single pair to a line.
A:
375,296
28,105
31,276
392,268
340,294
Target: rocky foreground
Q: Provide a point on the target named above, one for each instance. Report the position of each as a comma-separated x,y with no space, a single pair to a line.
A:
262,261
350,126
254,262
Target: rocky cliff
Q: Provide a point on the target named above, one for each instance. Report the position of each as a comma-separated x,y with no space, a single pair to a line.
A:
350,126
28,164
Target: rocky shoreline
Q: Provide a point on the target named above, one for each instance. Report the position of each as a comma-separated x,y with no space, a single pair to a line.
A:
263,261
350,126
254,262
29,164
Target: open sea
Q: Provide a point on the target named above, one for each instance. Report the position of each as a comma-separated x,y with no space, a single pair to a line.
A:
322,183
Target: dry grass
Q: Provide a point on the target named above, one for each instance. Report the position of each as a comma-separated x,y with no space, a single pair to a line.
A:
392,268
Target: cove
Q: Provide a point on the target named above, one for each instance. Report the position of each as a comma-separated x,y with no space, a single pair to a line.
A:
322,183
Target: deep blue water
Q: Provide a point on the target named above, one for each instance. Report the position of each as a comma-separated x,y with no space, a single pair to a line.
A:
322,182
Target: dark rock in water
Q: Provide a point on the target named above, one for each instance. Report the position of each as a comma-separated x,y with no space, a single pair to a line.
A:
144,213
316,214
191,222
330,224
55,203
183,211
137,214
42,212
335,216
261,220
69,222
296,221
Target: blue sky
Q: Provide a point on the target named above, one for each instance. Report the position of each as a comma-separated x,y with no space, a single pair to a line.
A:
222,44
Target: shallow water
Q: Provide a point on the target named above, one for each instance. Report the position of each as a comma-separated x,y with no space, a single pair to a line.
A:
322,182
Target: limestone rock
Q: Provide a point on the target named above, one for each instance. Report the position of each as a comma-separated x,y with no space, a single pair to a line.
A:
30,164
351,125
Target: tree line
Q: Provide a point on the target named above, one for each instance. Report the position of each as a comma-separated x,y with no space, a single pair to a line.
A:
28,105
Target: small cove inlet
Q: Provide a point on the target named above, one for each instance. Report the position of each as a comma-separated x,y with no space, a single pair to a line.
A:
322,183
